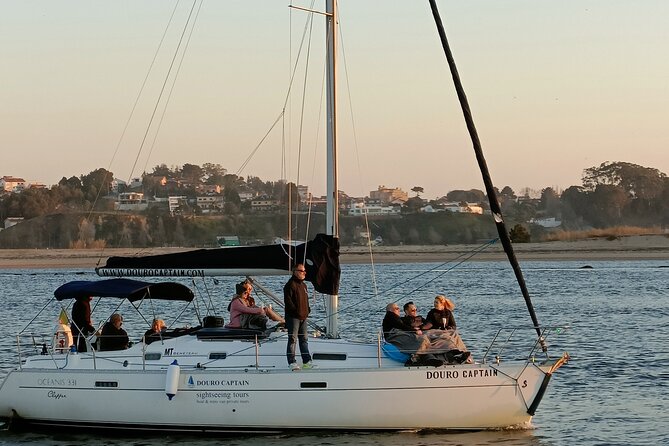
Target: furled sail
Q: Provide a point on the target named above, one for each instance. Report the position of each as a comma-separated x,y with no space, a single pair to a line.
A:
320,257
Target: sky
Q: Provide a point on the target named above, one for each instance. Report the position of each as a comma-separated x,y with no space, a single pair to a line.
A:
554,87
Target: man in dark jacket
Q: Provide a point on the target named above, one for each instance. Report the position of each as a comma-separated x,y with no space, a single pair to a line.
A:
406,339
296,301
81,322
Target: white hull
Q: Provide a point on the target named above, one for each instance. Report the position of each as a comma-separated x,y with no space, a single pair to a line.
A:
232,394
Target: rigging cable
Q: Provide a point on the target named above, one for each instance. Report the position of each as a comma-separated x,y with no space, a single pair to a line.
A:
132,111
162,89
357,156
459,260
174,82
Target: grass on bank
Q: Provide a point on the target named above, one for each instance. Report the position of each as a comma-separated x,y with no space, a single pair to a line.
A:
612,233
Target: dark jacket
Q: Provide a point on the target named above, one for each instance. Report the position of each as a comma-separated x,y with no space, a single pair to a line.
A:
414,321
436,317
81,317
113,338
152,336
391,320
296,299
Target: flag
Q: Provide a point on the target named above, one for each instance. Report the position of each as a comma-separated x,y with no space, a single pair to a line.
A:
62,318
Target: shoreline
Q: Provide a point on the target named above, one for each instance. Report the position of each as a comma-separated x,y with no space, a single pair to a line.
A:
645,247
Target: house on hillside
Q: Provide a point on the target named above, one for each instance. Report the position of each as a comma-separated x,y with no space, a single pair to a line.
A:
12,184
387,195
131,201
210,203
12,221
465,208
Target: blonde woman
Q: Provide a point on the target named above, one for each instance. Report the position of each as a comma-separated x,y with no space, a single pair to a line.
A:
155,333
441,329
441,316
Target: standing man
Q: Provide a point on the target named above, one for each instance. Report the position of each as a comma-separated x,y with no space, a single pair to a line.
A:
296,302
81,325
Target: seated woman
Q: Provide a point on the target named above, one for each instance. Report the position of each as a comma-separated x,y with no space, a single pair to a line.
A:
113,337
441,329
245,314
155,332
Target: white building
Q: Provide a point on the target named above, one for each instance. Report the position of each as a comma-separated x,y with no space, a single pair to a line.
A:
550,222
465,208
131,201
210,203
12,184
361,209
174,202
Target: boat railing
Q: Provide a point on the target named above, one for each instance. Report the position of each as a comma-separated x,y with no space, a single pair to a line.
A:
503,340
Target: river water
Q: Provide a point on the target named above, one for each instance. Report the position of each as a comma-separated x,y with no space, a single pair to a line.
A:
613,392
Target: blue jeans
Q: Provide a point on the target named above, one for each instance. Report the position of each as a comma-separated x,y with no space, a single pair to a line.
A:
297,332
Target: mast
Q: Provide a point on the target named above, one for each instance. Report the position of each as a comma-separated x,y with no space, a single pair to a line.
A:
487,180
332,207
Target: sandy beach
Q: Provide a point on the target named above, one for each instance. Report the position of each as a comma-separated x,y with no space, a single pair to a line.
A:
647,247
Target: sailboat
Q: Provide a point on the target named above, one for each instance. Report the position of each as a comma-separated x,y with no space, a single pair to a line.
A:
212,379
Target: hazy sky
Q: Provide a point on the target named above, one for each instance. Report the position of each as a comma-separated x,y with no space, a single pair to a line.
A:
555,87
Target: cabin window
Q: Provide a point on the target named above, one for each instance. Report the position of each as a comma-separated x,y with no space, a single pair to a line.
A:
106,384
152,356
221,355
329,356
313,385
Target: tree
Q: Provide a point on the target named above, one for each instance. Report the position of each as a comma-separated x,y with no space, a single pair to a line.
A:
72,182
96,184
233,203
519,234
214,173
418,190
507,193
638,181
550,202
413,205
290,190
470,196
163,171
608,201
192,174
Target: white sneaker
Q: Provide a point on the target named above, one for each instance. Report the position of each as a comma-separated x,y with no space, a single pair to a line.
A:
309,365
294,366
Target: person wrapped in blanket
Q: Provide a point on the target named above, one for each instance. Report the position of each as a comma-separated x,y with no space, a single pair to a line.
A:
407,339
439,326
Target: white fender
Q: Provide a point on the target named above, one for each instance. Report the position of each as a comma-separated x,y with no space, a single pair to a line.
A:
62,339
172,379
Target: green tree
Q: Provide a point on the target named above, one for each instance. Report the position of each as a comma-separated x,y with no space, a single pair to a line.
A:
417,190
519,234
163,171
96,184
214,173
638,181
550,202
192,174
470,196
